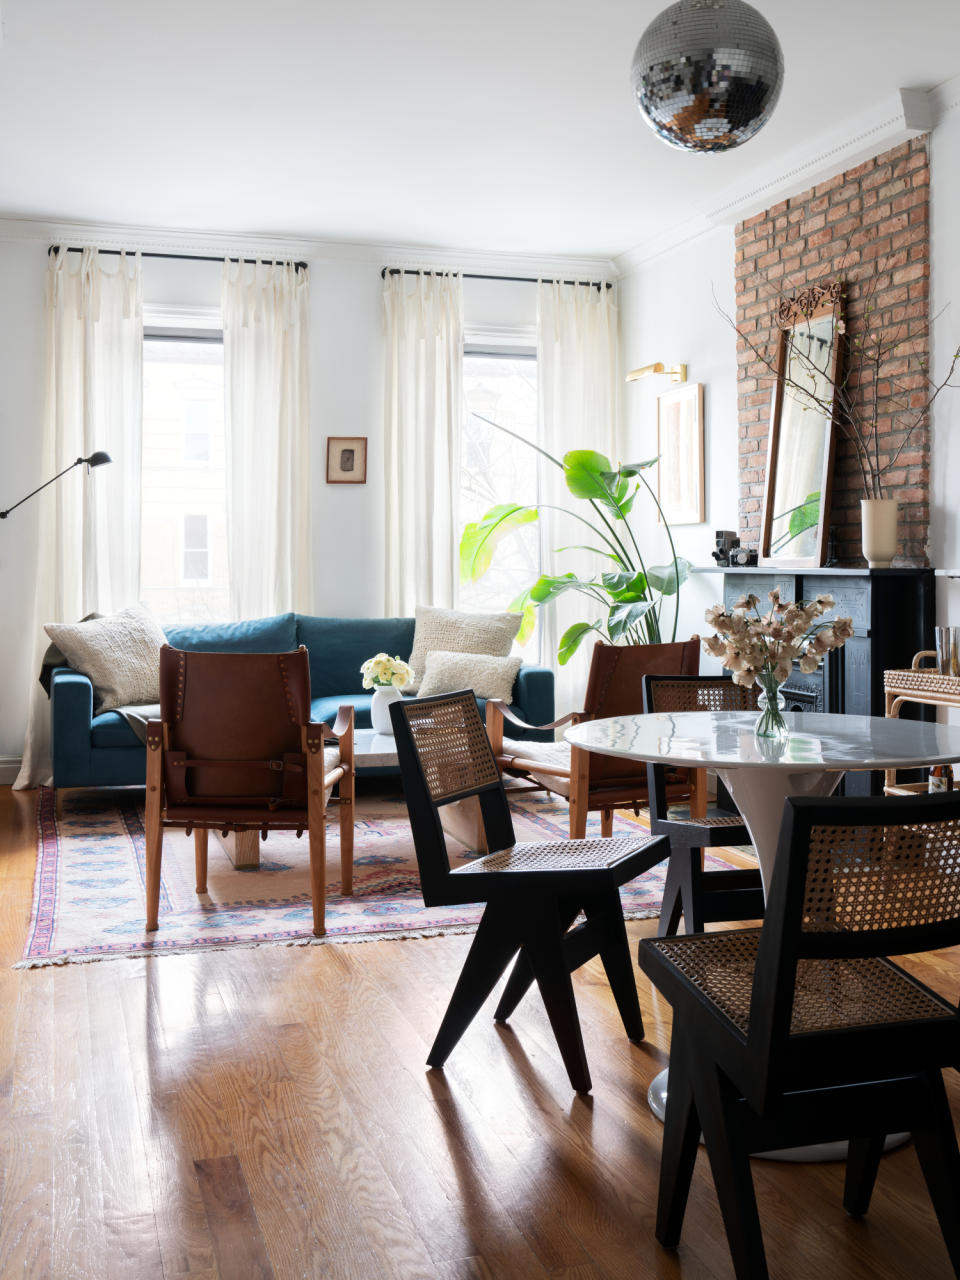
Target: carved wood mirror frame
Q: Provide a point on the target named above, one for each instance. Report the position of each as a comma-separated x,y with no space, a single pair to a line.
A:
793,315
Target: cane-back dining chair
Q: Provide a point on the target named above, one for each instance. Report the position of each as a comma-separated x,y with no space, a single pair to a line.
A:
804,1031
235,750
698,895
533,891
588,780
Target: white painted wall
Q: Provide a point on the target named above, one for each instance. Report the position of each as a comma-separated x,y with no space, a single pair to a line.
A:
668,312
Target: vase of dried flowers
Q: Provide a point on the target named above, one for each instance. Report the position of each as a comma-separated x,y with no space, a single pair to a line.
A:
762,648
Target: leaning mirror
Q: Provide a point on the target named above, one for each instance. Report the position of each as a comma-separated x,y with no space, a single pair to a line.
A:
796,496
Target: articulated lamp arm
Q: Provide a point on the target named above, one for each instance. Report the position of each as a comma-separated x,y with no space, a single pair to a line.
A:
95,460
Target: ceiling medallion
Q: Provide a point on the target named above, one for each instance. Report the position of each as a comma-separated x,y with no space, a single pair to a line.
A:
707,74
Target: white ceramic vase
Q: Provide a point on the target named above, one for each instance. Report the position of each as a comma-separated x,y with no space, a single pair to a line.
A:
878,521
383,695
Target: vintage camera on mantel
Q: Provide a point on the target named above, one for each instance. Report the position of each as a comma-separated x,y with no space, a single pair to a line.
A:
730,552
726,541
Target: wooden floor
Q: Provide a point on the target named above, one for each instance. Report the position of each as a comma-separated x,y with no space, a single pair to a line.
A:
256,1113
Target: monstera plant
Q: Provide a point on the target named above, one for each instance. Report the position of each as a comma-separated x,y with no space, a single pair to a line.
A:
628,594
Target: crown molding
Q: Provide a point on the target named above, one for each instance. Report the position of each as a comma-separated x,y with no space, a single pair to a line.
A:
895,119
255,244
946,98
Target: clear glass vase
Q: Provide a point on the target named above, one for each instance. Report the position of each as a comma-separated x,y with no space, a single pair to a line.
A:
772,704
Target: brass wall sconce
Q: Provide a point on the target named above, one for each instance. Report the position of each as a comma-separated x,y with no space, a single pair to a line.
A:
675,372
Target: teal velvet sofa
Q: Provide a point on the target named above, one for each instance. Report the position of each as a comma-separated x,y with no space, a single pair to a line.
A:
91,750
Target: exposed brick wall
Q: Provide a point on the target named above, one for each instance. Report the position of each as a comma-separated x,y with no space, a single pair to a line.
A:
870,228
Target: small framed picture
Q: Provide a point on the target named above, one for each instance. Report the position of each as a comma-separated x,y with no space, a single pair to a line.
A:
346,459
680,447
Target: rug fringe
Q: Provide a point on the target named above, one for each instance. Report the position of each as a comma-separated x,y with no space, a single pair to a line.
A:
402,935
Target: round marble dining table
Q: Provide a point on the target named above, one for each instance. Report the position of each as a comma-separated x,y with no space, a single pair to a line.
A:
761,773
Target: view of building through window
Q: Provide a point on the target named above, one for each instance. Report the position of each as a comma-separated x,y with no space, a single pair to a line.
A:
495,468
183,534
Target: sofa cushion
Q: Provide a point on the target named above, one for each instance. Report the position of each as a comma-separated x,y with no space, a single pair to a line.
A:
488,677
456,632
111,729
258,635
119,653
338,646
325,710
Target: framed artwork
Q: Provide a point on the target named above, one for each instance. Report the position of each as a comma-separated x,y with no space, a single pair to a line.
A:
346,459
680,486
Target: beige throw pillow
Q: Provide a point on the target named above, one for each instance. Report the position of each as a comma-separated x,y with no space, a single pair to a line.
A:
454,632
488,677
119,653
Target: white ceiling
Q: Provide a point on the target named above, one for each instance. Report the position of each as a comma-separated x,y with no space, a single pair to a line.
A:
506,126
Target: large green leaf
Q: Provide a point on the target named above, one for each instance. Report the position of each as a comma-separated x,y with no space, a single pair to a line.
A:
806,516
571,639
623,617
589,476
522,605
625,587
480,539
666,579
549,586
634,468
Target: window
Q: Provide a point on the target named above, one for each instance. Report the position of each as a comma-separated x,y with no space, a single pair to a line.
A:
196,551
196,430
495,467
183,540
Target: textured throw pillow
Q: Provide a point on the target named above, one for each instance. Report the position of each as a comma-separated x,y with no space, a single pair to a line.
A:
488,677
455,632
119,653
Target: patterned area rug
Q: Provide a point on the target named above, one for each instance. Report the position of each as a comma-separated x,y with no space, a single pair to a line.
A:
88,899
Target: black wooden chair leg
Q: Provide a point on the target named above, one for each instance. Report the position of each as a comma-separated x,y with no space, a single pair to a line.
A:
522,977
692,891
496,942
863,1162
672,903
681,1138
617,961
543,943
730,1164
940,1162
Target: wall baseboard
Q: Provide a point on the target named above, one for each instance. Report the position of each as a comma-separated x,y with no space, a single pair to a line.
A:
9,768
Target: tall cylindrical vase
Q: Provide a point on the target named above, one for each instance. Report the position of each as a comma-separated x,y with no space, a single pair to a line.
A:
383,695
878,521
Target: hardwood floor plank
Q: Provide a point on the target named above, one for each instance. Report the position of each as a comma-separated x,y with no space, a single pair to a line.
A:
237,1240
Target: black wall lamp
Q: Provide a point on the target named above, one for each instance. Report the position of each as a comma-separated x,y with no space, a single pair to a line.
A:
95,460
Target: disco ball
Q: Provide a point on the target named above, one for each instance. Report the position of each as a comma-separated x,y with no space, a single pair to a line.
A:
707,74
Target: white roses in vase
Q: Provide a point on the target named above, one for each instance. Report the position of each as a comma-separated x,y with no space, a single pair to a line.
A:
382,671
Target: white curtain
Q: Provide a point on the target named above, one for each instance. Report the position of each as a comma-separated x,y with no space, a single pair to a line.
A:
577,374
89,523
423,417
266,417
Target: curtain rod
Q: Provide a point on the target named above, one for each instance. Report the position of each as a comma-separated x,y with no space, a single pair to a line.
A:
188,257
472,275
